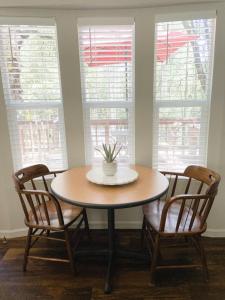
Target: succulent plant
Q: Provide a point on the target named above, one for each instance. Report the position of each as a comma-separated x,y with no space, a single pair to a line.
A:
109,152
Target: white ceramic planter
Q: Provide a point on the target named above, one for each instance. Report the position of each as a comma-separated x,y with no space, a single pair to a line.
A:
109,169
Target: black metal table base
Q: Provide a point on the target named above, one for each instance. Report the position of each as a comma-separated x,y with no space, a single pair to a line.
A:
111,242
111,252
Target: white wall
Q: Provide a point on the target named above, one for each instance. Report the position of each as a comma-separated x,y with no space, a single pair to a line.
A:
11,218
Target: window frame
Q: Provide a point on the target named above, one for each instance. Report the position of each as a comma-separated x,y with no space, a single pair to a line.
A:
129,105
13,106
203,104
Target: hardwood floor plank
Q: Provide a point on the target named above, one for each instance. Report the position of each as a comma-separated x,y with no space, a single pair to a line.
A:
49,280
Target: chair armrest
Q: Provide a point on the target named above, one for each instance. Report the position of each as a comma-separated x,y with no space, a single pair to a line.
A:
183,197
36,192
42,194
187,197
56,172
172,173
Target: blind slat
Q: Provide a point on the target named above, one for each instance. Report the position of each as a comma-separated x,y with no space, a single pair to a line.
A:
182,91
106,65
32,92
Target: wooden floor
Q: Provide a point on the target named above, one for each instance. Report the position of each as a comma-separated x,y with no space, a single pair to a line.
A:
47,280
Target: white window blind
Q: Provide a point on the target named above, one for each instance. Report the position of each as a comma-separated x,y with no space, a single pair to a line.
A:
107,81
32,92
182,92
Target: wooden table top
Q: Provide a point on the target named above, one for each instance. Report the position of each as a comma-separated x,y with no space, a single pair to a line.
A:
73,187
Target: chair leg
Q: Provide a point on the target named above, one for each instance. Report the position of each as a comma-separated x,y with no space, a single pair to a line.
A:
70,251
154,260
203,258
86,224
27,249
143,232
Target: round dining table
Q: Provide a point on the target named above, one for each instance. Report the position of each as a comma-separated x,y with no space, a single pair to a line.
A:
73,187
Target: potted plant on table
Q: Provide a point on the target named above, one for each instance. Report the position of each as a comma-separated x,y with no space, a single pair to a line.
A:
109,153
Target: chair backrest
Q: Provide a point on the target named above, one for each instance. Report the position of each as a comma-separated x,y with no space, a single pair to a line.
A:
200,186
34,199
28,174
204,176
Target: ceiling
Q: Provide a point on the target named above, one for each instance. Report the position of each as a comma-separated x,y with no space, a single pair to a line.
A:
92,4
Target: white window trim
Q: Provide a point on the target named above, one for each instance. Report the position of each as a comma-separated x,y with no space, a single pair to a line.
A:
87,125
204,104
87,105
205,107
13,106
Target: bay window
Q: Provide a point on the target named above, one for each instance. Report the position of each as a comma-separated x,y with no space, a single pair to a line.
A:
32,92
107,82
182,91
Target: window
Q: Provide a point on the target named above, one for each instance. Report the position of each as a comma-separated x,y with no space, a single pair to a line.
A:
182,92
32,92
107,80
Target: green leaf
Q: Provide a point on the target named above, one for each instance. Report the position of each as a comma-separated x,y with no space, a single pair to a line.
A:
117,153
114,147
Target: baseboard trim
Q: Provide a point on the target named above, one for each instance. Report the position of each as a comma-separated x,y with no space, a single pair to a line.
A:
20,232
103,225
13,233
215,233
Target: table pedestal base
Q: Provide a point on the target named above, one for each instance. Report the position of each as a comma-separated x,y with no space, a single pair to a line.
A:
112,252
111,243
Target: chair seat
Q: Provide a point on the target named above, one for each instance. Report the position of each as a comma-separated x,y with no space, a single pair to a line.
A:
69,212
153,212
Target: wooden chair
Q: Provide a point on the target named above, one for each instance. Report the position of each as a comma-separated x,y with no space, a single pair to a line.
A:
181,214
44,213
